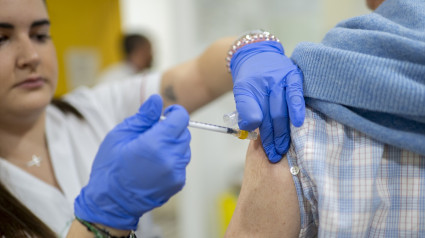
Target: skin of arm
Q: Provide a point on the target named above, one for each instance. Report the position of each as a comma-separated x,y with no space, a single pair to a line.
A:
267,204
77,230
196,82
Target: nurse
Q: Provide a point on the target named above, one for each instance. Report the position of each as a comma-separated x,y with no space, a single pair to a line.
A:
47,147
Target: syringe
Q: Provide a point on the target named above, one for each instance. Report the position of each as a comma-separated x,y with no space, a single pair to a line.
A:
241,134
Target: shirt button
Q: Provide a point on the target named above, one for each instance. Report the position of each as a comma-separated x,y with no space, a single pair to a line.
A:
294,170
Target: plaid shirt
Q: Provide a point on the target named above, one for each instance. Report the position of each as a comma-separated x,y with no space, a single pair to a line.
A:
350,185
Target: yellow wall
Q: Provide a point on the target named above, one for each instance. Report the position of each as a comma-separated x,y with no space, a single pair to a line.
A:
90,24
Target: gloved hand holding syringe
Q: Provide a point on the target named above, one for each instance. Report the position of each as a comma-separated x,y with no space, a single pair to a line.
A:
229,118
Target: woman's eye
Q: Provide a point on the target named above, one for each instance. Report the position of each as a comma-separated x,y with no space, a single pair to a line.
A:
3,39
41,37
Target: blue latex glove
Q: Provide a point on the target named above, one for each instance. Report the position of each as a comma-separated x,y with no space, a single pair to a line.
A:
266,85
140,164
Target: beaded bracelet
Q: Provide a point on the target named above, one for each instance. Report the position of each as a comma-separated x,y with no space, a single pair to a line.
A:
248,38
101,233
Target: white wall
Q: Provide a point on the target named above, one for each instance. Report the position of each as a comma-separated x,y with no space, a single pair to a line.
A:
181,30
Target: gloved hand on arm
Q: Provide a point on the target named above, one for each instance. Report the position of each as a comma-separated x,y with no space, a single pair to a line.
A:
268,91
140,164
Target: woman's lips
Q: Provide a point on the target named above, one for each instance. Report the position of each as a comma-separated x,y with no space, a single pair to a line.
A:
32,83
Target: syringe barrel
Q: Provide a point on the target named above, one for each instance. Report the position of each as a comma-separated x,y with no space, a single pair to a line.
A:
206,126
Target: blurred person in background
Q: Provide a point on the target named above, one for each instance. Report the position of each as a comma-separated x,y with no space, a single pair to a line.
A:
138,57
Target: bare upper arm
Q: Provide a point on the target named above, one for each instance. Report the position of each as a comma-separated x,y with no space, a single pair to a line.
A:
267,205
199,81
182,85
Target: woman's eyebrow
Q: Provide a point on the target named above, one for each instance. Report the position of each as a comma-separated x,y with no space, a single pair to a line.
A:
40,23
34,24
6,25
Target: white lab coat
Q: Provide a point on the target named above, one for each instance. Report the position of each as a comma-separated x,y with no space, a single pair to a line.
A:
73,145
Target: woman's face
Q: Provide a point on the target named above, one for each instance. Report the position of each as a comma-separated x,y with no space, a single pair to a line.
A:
28,66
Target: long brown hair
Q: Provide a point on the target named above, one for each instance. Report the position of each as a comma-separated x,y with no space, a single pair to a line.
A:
65,107
16,220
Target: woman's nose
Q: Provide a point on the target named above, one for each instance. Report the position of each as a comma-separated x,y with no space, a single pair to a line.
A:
28,56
